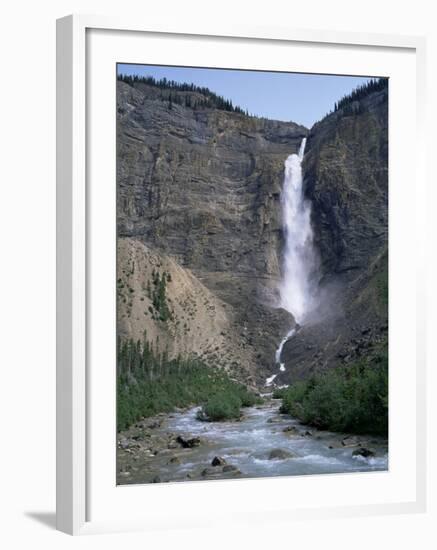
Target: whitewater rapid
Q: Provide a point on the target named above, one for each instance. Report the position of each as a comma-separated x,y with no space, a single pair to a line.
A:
247,445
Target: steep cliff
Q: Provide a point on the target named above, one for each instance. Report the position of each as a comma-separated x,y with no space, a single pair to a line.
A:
200,187
346,180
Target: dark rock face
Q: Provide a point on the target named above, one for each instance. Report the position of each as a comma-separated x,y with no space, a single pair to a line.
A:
346,180
202,186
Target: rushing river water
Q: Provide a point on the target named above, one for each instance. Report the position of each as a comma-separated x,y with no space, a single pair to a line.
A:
247,445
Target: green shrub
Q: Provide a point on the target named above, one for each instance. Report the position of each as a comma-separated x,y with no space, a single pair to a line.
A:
248,398
347,399
222,406
226,403
158,295
278,393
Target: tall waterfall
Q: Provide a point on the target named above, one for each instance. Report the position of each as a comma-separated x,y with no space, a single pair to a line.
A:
296,288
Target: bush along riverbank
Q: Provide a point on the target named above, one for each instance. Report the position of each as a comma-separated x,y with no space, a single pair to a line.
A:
350,399
149,383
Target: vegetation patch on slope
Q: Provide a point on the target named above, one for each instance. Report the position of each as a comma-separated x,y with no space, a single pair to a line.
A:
182,93
345,399
373,85
149,383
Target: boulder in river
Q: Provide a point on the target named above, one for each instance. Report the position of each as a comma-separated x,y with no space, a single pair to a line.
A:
291,430
188,443
218,461
362,451
280,454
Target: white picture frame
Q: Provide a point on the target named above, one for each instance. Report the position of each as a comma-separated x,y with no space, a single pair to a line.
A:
76,312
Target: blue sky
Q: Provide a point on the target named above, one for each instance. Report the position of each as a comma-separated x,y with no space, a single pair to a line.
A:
301,98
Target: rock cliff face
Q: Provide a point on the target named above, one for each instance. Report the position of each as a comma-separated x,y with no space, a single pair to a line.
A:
346,180
346,175
198,193
202,187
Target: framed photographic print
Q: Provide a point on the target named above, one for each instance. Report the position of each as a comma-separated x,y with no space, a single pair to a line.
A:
239,326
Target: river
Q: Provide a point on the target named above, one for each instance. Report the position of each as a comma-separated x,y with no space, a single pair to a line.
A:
256,446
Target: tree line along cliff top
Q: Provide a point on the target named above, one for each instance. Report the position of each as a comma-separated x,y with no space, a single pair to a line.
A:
183,93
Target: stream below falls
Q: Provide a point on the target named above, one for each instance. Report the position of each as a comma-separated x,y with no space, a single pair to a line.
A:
255,446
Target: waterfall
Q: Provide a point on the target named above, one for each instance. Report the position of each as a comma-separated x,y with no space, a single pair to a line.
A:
296,289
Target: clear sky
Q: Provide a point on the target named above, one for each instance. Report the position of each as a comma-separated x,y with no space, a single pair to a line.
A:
301,98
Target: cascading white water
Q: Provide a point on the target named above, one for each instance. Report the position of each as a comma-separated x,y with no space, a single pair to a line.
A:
296,289
279,350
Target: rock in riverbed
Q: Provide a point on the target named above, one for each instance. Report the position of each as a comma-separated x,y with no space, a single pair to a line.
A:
188,443
291,430
123,443
217,473
218,461
362,451
274,420
280,454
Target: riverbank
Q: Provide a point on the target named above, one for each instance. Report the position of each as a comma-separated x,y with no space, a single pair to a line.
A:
180,447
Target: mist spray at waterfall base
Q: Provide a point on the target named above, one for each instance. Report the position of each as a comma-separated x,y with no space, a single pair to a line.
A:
297,289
